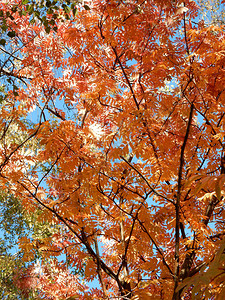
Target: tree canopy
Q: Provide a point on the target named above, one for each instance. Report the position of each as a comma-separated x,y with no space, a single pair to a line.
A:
112,126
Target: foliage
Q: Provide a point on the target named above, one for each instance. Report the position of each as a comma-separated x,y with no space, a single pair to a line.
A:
11,227
212,11
16,224
126,156
8,267
209,278
46,12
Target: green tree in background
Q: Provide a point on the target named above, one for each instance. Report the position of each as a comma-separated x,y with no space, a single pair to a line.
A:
13,225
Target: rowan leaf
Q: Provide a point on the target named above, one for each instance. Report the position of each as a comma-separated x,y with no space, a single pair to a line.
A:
111,136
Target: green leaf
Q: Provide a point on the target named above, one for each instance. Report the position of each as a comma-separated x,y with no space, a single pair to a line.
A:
32,21
52,22
75,11
50,11
45,23
30,9
22,13
14,9
11,34
48,3
47,29
66,8
55,16
86,7
24,2
4,27
37,13
2,88
2,42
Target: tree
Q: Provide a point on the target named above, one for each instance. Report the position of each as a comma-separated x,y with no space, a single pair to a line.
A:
130,147
46,12
212,11
17,265
10,226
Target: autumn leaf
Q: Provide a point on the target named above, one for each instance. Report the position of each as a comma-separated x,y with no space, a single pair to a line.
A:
111,134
